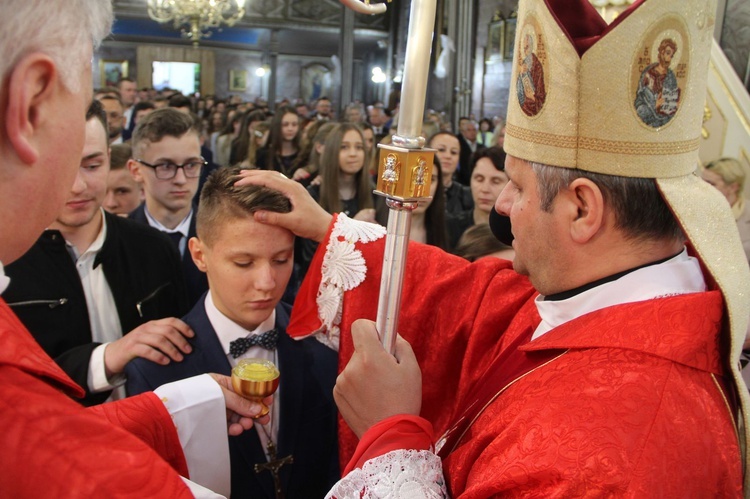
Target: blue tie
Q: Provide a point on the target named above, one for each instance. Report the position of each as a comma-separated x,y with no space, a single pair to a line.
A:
266,340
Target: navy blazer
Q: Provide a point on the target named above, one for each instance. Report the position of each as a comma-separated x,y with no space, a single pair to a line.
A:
195,280
308,419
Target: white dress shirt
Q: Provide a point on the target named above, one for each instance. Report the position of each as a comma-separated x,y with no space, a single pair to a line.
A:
228,331
677,276
183,228
103,317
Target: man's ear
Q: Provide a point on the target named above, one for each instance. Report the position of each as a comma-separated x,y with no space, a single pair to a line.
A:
196,248
32,86
587,201
135,170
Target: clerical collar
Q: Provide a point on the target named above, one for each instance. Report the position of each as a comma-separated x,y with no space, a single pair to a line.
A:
678,275
4,279
564,295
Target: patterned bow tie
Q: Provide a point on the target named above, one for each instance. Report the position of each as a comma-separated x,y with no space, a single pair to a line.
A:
266,340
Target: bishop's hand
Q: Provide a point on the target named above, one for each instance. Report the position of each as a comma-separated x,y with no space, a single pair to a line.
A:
376,385
307,219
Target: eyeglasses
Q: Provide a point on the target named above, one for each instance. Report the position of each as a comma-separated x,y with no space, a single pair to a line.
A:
167,170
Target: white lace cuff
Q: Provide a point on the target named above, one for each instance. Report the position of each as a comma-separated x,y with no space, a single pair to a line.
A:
343,269
399,474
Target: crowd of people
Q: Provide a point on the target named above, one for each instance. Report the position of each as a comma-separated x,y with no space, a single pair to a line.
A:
157,240
291,138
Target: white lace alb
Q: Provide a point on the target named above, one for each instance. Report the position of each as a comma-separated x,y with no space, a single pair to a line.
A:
344,268
399,474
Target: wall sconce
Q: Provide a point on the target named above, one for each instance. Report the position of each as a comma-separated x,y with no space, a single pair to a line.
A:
378,76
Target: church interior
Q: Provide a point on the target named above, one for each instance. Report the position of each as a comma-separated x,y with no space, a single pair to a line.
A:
300,50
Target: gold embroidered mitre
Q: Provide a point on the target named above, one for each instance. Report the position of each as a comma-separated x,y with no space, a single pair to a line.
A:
631,105
627,99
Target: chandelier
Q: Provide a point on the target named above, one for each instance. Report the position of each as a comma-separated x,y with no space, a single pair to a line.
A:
196,18
610,9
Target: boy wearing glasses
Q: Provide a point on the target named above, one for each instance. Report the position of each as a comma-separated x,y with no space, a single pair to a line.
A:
93,276
167,162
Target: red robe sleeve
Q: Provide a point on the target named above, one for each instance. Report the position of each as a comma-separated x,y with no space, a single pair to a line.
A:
145,417
54,447
445,302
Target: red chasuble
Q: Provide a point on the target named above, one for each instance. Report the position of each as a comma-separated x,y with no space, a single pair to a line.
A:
54,447
633,406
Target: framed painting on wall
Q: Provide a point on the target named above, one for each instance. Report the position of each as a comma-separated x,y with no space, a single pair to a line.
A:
112,71
493,51
237,80
501,36
315,82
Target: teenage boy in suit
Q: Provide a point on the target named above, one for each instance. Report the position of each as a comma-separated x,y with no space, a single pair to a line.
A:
248,265
97,290
167,161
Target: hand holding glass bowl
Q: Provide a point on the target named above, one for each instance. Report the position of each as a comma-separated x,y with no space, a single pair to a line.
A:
256,379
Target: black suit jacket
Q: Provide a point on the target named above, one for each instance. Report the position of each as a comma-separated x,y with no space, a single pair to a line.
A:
307,427
384,131
46,293
463,174
195,280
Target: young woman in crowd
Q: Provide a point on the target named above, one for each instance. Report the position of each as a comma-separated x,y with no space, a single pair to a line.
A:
344,187
457,196
246,136
224,140
307,165
283,142
259,139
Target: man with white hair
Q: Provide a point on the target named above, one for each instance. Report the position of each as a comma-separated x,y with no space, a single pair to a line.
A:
52,446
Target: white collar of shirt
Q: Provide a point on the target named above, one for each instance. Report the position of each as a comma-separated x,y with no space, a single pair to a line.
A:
228,330
95,246
4,279
677,276
183,227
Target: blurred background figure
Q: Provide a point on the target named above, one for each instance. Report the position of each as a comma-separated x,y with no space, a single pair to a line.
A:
124,194
728,176
478,241
283,144
354,113
457,196
307,165
488,178
485,136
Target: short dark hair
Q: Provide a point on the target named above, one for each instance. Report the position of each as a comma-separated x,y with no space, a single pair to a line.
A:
222,200
478,241
494,154
166,122
140,106
639,208
119,156
131,80
179,100
96,110
111,97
